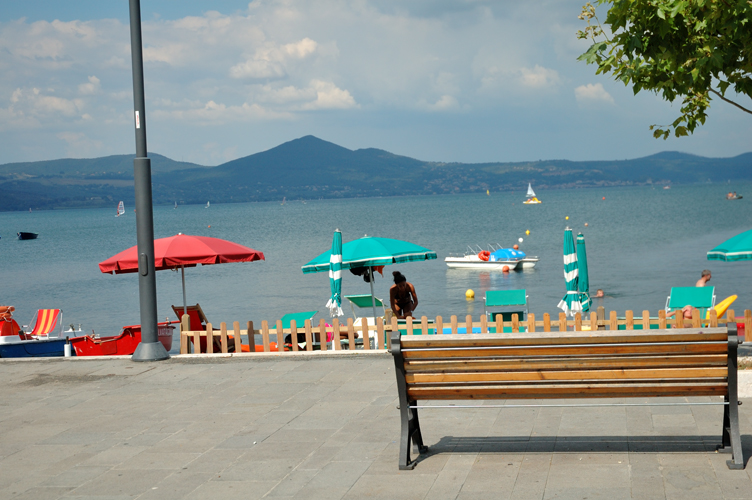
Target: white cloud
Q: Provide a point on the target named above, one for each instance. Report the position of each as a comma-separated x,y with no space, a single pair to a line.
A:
271,60
444,103
539,77
329,96
79,145
592,93
89,88
213,113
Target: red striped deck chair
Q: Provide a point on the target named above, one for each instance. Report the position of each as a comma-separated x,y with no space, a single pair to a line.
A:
45,322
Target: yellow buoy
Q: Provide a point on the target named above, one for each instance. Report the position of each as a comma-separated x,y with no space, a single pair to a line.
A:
469,294
566,218
527,232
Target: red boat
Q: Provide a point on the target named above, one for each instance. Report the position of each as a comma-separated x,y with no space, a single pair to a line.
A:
120,345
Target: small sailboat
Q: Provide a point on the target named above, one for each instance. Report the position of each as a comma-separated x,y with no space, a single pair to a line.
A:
531,198
207,205
176,205
120,209
488,193
283,200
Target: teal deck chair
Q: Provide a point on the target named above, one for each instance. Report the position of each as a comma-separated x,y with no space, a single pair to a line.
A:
300,318
510,302
364,302
701,297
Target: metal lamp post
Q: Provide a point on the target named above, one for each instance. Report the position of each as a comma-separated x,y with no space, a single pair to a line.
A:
150,348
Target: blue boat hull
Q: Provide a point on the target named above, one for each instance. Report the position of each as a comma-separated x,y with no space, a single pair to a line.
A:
33,349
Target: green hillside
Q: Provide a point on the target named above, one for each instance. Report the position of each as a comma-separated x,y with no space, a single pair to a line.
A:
312,168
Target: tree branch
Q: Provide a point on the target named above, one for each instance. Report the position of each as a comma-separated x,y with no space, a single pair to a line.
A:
730,101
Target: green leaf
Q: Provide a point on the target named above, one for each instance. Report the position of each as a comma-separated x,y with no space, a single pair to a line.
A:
661,14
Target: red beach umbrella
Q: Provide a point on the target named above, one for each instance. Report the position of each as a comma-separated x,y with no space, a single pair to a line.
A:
181,251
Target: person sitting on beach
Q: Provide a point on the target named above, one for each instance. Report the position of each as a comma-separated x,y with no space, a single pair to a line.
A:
704,278
402,296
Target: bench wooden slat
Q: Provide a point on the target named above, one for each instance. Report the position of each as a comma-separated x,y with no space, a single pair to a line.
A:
598,337
577,390
568,364
695,348
618,374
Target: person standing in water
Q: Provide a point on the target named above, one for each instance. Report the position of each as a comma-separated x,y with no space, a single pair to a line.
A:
402,297
704,278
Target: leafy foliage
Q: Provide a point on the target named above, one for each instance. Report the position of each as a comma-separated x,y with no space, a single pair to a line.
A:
686,49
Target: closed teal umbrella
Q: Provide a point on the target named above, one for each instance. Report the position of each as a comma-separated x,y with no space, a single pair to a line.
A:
570,304
371,252
583,284
737,248
335,275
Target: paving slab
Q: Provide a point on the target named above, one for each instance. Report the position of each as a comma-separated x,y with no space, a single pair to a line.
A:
328,427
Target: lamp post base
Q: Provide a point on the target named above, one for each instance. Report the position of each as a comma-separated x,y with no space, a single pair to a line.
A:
151,351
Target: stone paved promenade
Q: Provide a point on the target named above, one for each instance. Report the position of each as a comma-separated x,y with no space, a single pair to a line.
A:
323,427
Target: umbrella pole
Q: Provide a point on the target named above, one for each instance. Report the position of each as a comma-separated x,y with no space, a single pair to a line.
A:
373,299
185,306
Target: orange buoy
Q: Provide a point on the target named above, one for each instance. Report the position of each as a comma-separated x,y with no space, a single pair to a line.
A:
484,255
604,197
516,247
505,269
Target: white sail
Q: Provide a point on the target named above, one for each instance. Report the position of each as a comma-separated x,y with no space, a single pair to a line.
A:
530,192
207,205
120,209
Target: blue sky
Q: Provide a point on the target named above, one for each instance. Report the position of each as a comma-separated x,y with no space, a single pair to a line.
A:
467,81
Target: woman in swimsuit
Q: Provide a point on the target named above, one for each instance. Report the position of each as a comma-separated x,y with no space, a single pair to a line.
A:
402,296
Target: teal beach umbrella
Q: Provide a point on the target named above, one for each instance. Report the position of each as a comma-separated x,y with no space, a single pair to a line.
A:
583,283
335,275
371,252
737,248
570,304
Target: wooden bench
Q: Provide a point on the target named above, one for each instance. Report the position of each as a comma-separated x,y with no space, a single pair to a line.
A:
603,364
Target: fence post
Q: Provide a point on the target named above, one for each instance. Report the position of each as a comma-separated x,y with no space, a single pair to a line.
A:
439,325
366,336
185,326
251,337
280,337
546,322
223,336
236,336
629,320
646,320
601,318
265,335
662,319
531,323
335,335
209,338
380,344
350,334
614,323
294,336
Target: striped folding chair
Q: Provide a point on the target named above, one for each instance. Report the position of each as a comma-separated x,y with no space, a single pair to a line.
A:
46,322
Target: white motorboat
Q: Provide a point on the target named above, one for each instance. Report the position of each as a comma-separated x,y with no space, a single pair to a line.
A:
495,259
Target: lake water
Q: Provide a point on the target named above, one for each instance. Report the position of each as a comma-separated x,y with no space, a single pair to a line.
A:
640,241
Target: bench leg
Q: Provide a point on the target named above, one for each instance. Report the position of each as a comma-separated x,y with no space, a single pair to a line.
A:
731,441
410,432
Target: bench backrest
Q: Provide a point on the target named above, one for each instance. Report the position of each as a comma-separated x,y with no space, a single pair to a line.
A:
686,362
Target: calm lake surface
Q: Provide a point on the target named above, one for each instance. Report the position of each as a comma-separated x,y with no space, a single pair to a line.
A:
641,241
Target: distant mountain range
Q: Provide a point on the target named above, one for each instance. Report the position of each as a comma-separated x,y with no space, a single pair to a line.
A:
309,167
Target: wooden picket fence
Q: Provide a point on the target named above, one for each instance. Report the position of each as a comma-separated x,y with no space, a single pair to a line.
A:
346,336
